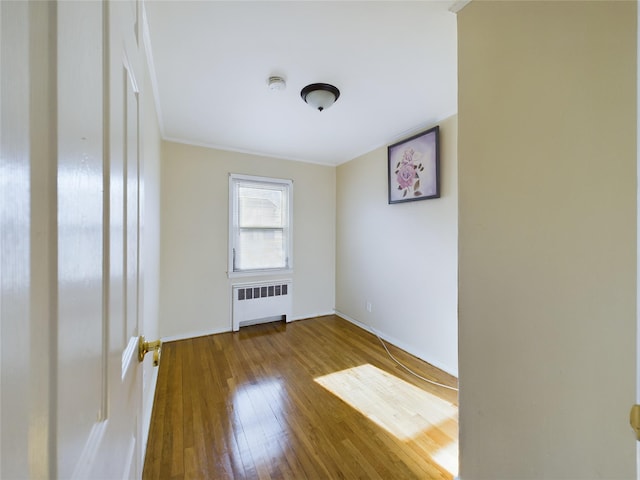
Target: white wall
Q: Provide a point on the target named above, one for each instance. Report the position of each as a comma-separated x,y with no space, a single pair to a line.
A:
547,169
195,290
402,257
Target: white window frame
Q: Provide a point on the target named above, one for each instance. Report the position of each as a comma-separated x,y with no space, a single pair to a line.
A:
234,228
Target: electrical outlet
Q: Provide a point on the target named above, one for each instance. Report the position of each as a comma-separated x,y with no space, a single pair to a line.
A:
369,306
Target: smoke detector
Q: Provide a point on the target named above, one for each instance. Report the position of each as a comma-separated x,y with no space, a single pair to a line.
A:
276,83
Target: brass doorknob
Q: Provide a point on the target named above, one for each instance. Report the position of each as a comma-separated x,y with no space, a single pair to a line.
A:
634,419
144,347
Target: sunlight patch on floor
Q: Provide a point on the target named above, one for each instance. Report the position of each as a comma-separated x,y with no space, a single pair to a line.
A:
400,408
447,458
395,405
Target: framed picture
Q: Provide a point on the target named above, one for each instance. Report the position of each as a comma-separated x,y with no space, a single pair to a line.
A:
414,167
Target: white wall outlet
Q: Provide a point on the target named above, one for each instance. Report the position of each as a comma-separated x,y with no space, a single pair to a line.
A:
369,307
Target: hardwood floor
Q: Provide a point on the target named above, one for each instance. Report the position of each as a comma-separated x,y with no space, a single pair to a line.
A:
314,399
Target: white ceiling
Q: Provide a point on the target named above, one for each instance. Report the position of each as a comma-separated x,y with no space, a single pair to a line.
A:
395,64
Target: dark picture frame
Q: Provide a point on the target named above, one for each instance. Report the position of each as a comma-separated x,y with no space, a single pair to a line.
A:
413,165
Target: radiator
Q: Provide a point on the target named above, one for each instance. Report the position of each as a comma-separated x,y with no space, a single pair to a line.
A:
254,303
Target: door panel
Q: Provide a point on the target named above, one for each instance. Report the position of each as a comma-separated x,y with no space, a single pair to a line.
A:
119,454
27,198
80,234
98,249
132,204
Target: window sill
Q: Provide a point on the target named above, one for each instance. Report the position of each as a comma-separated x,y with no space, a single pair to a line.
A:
260,273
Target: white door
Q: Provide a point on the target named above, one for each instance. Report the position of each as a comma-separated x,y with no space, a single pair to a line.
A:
98,332
27,205
70,401
82,400
123,441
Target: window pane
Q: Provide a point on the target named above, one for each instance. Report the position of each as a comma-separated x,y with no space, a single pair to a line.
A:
260,207
259,224
262,248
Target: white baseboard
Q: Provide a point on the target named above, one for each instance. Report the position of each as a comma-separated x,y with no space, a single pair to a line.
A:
203,333
313,315
399,344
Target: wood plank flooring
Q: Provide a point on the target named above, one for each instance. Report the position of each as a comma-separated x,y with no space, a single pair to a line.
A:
312,399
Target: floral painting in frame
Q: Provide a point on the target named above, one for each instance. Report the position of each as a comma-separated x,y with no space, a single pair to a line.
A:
414,167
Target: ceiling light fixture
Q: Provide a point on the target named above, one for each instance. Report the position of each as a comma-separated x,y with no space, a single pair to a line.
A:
320,95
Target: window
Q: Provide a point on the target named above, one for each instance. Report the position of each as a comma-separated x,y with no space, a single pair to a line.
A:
259,225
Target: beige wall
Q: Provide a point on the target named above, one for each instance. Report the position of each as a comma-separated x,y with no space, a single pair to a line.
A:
547,179
195,289
402,257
